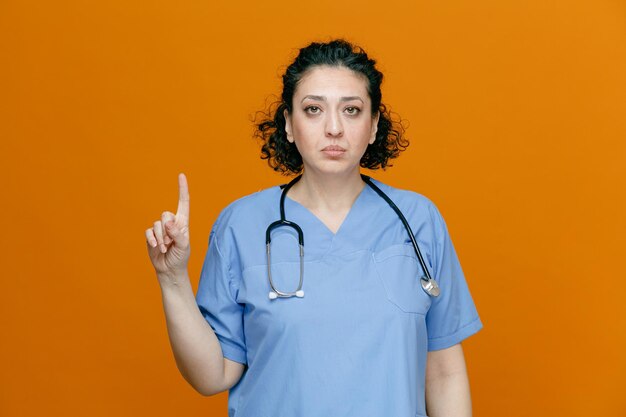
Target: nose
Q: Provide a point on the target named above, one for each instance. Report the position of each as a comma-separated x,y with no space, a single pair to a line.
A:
334,127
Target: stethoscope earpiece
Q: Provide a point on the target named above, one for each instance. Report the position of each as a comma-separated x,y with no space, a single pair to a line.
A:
274,295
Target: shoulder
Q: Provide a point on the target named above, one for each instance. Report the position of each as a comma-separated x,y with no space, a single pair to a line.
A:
409,200
247,208
416,207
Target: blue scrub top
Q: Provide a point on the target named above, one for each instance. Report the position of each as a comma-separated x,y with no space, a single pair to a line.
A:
356,344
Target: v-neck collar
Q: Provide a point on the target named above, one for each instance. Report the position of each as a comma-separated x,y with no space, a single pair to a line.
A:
346,219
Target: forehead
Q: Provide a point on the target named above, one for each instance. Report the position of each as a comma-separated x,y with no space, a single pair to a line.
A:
327,80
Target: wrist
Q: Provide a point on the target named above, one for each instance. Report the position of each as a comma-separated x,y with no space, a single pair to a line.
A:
177,278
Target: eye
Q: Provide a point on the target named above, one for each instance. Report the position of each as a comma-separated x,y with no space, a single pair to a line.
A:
312,109
353,110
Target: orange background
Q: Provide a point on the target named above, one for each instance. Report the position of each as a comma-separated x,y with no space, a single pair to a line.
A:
518,130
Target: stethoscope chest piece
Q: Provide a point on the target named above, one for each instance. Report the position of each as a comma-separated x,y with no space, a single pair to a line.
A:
430,286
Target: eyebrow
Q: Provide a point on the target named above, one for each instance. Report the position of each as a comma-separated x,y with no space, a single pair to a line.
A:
322,98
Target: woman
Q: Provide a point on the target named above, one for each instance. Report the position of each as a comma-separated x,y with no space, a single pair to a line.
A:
363,334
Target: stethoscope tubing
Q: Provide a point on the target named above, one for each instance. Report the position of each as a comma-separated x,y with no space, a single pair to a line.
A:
428,283
369,182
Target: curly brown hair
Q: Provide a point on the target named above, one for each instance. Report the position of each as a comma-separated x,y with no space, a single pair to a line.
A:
283,155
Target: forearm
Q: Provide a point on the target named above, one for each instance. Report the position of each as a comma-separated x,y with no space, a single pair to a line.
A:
448,395
196,349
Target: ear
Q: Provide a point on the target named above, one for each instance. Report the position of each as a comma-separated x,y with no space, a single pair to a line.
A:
288,125
374,127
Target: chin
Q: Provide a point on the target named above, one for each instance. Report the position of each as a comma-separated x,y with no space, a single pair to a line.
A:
334,168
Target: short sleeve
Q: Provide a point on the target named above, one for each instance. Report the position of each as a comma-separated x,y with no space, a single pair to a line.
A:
452,316
216,298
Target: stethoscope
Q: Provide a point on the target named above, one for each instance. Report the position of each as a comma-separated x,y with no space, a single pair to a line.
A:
429,285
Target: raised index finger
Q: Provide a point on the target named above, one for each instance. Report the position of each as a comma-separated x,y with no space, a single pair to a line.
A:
183,197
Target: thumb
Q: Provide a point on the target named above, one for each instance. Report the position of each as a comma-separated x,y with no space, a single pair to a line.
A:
176,234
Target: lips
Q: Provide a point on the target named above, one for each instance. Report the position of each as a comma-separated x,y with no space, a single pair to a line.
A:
333,151
334,148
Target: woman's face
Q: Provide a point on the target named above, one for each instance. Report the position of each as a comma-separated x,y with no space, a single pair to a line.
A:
331,122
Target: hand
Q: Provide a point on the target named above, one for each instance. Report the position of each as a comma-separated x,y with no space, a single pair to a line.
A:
168,239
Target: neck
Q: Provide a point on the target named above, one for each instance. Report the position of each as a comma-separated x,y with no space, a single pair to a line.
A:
330,191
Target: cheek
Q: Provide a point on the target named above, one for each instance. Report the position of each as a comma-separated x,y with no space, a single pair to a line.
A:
304,132
302,141
365,132
297,130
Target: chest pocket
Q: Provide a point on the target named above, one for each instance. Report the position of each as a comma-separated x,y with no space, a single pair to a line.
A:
399,270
